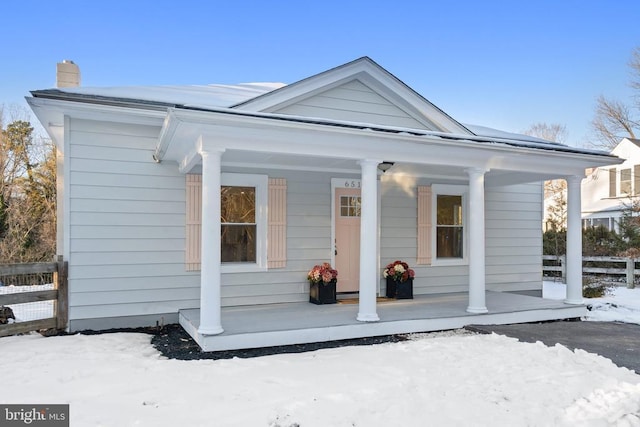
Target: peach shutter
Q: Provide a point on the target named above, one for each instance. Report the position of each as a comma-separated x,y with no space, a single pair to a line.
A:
194,222
424,225
277,233
612,183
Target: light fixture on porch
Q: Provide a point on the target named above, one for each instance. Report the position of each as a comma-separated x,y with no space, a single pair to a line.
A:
385,166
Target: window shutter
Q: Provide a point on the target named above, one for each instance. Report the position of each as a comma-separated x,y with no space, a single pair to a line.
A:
424,225
277,233
612,183
193,222
636,180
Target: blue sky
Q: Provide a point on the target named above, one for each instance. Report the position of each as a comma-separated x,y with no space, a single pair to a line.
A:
502,64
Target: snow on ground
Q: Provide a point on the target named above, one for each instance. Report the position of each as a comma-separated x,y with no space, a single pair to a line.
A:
622,305
452,379
619,305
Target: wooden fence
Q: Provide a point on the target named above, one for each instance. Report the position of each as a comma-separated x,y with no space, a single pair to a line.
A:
36,272
595,265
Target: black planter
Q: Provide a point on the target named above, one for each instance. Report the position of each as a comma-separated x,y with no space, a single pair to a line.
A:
323,293
400,290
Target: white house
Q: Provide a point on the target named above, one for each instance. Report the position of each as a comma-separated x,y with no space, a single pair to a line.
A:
148,176
608,191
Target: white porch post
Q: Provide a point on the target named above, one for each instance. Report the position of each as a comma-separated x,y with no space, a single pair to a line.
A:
210,316
476,245
574,241
368,241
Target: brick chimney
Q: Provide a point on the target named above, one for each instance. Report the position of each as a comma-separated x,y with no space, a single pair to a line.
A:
67,74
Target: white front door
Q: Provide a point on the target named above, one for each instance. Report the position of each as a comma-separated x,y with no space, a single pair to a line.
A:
347,238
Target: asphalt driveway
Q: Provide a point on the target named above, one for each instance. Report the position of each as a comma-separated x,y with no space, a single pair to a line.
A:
619,342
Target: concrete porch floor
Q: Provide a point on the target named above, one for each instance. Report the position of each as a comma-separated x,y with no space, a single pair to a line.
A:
297,323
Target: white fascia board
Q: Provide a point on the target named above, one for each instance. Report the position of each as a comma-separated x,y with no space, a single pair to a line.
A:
56,109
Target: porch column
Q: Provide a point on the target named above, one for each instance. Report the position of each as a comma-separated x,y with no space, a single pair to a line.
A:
476,245
574,241
368,241
210,316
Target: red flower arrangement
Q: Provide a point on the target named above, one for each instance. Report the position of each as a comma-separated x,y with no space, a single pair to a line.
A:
322,273
398,271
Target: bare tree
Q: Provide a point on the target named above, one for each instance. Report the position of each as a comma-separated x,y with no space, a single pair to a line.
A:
551,132
27,194
555,191
614,119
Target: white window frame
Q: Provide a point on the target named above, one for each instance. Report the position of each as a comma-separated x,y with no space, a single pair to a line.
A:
449,190
261,184
630,180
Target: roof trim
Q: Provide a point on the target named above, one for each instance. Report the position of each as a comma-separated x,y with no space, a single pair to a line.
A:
522,144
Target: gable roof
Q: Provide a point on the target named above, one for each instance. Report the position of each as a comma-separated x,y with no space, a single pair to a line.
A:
365,71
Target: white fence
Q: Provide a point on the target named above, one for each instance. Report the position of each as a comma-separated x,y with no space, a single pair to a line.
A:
595,265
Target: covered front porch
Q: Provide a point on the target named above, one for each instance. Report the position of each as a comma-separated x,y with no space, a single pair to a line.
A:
269,325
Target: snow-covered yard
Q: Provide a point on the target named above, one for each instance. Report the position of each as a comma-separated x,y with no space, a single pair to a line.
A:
441,379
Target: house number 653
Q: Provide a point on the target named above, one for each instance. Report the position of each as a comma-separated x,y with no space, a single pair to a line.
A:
354,183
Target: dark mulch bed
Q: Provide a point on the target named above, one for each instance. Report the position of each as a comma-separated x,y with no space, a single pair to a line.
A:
173,342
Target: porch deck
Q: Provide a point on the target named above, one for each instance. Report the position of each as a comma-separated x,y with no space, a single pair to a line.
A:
296,323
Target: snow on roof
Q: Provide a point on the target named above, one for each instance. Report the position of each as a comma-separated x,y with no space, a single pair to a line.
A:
496,133
212,95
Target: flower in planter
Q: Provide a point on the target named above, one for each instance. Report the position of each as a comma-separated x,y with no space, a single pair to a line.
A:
398,271
322,273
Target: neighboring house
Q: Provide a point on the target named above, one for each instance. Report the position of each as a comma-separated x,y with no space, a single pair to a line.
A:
214,202
608,191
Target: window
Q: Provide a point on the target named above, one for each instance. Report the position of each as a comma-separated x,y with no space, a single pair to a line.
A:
243,200
350,206
449,205
625,181
244,222
449,228
600,222
238,223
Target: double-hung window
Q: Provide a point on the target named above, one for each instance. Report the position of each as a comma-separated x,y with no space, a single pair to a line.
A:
625,182
243,208
450,213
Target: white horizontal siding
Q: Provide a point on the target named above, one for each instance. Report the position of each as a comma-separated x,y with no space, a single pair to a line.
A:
353,102
513,237
126,216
